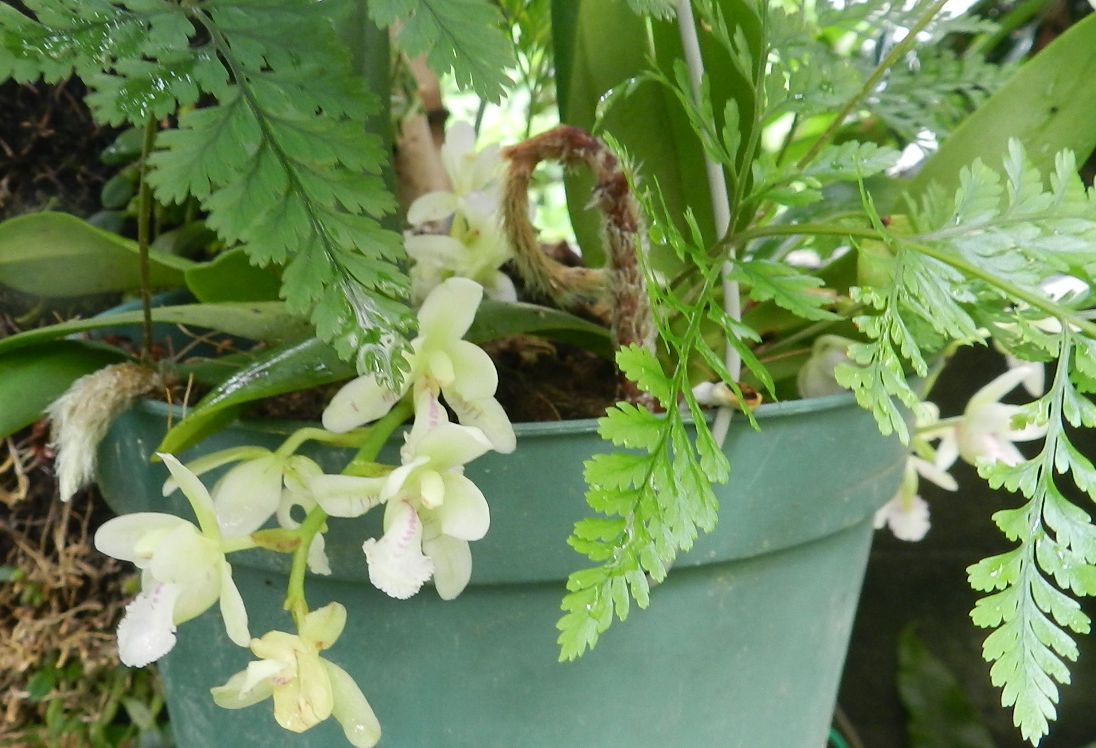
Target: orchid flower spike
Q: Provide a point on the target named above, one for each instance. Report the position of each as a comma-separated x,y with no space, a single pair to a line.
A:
985,431
440,361
246,496
306,688
184,571
472,174
433,510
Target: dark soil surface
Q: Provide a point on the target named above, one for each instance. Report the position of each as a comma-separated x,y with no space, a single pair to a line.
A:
544,381
49,150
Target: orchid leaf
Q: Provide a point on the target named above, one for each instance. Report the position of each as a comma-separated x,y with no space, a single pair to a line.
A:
498,319
56,255
267,321
312,363
32,379
232,277
286,368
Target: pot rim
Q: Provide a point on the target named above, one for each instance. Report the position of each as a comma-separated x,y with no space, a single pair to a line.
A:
764,412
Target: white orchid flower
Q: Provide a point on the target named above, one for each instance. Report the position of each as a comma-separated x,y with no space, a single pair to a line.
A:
440,360
816,377
298,476
1035,380
985,431
473,176
907,514
306,688
184,572
248,494
433,510
475,248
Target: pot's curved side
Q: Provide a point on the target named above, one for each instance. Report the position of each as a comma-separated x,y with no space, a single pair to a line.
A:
742,645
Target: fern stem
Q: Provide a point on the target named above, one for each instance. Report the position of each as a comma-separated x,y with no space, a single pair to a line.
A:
144,214
721,207
897,52
1067,316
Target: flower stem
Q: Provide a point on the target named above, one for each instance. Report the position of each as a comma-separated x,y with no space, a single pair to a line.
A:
310,433
144,215
377,435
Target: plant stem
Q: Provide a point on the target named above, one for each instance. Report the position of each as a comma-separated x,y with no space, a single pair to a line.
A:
233,545
896,53
144,213
721,207
295,601
1065,315
310,433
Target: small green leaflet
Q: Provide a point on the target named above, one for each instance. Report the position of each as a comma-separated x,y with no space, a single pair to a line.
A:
787,184
797,292
62,41
464,36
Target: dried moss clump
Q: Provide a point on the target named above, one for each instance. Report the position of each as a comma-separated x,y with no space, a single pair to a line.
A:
60,601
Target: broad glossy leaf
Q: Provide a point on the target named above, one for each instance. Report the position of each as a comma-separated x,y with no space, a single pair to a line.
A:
600,47
231,277
267,321
287,368
57,255
31,379
1047,105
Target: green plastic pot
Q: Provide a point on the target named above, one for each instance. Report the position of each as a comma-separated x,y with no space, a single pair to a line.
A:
743,645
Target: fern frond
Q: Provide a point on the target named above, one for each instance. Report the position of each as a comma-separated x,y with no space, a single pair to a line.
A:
655,497
286,169
464,36
276,151
1029,606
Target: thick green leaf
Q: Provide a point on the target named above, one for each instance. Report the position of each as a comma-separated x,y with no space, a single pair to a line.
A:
31,379
287,368
57,255
267,321
498,319
1047,105
232,277
941,715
